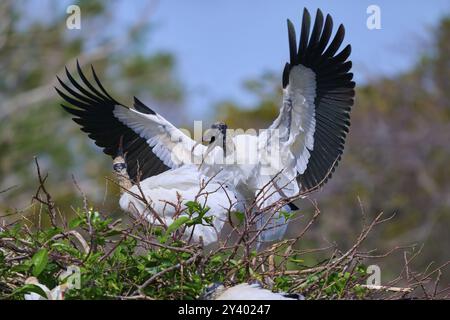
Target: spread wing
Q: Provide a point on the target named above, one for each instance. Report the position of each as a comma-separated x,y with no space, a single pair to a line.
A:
152,144
318,94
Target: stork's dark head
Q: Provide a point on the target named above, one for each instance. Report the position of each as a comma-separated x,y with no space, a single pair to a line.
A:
220,126
216,134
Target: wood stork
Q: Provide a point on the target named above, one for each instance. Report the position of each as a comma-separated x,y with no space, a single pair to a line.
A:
297,153
246,291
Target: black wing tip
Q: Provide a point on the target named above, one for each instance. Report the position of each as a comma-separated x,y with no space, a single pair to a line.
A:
57,90
306,18
285,78
319,29
61,93
93,70
319,14
81,74
86,87
67,70
292,43
347,49
306,13
78,65
70,110
341,31
141,107
60,82
291,27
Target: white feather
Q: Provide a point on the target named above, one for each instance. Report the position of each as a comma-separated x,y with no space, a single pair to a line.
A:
185,182
169,143
246,291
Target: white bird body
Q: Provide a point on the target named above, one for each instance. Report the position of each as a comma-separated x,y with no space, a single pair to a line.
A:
182,184
245,291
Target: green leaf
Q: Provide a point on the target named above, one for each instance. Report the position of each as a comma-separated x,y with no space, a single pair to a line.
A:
209,220
240,216
286,215
192,205
31,288
162,239
39,261
24,267
176,224
216,259
50,233
75,222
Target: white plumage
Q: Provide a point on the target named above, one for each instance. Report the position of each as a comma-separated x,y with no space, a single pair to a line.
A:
245,291
168,143
297,153
182,184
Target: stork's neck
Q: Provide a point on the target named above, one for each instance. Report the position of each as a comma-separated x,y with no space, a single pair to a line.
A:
225,142
228,145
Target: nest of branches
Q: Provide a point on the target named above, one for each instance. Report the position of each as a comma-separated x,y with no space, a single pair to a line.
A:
141,258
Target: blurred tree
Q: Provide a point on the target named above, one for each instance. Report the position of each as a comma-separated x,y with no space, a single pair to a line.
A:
396,157
34,48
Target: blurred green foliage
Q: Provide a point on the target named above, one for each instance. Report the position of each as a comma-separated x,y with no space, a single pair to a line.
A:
33,52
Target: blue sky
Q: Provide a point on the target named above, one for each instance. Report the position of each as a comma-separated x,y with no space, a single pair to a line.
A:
218,44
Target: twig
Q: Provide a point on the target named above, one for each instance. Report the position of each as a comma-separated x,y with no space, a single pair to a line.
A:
161,273
386,288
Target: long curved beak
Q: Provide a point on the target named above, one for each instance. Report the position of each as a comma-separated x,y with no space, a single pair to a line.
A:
210,147
195,146
207,137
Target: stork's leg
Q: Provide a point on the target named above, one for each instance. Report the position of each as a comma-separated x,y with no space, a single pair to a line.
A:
120,169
